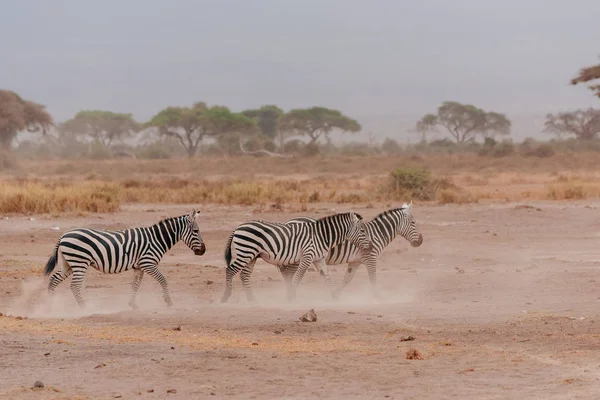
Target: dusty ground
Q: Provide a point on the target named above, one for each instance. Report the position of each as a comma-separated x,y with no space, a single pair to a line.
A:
502,301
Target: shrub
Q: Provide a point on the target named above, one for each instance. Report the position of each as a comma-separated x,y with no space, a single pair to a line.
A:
390,146
413,183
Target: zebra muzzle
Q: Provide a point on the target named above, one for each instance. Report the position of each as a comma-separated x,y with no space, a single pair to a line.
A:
418,242
200,250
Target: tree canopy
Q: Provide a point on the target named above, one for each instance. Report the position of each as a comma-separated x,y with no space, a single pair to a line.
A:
17,114
588,74
266,117
103,126
464,122
584,124
316,122
192,124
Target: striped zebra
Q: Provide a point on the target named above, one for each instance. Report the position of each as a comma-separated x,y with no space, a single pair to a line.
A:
281,244
380,231
112,252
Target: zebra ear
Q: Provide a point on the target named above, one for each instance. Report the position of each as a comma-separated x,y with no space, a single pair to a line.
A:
410,206
194,214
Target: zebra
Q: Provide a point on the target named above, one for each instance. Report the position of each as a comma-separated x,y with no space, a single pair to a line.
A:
381,230
112,252
281,244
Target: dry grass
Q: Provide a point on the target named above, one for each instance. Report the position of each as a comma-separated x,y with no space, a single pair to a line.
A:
49,197
101,186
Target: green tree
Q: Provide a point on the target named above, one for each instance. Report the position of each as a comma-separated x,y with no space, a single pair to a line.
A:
192,124
266,118
17,114
584,124
106,127
426,125
316,122
588,74
464,122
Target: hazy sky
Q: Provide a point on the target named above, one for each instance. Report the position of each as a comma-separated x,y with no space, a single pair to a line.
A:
375,60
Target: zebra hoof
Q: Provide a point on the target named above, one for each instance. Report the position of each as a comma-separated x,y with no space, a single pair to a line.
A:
336,295
133,305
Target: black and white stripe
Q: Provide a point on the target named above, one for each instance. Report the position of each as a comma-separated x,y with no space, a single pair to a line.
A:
287,244
112,252
380,231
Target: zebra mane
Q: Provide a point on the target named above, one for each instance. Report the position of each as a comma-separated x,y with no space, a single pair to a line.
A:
340,215
168,219
391,211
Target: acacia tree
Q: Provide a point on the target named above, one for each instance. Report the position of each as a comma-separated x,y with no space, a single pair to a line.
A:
17,114
266,118
316,122
192,124
584,124
426,126
103,126
465,121
588,74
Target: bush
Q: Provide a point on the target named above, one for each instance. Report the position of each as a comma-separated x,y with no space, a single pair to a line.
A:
531,148
492,148
7,160
413,183
358,149
391,147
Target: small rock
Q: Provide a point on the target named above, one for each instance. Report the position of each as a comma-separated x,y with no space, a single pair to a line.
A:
277,332
310,316
117,396
209,282
100,366
407,338
177,328
38,384
150,390
459,270
254,343
414,354
173,391
351,312
46,354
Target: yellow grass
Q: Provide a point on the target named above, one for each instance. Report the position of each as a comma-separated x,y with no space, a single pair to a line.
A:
102,186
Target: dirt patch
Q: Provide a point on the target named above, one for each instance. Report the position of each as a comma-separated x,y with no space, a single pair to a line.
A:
519,322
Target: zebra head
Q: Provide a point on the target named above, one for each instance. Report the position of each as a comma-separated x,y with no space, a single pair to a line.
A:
191,234
408,226
356,234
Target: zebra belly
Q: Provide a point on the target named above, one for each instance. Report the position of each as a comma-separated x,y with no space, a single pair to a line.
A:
343,254
279,260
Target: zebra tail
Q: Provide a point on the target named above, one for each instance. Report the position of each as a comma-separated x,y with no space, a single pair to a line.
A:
228,250
51,264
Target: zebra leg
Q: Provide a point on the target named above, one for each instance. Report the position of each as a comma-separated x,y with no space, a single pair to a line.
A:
304,264
245,277
287,272
230,271
321,266
77,283
153,271
55,279
350,272
138,274
372,271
